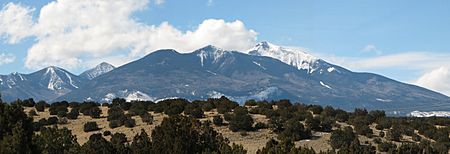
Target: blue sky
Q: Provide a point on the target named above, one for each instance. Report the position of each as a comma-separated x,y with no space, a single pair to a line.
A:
404,40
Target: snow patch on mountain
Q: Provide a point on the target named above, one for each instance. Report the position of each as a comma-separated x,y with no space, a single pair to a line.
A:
430,114
325,85
12,79
258,95
55,82
98,70
256,63
210,53
166,98
295,57
383,100
331,69
129,95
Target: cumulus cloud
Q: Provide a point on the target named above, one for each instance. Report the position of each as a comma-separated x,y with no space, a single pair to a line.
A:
15,22
6,58
437,79
73,33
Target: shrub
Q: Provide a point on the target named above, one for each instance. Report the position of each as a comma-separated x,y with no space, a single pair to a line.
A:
32,113
227,116
381,134
86,107
138,108
363,130
260,125
73,114
383,123
52,140
386,146
241,120
95,112
57,108
341,138
62,120
90,126
42,122
106,133
217,120
129,122
251,102
119,142
97,145
52,121
180,134
28,102
313,123
74,105
394,135
326,125
207,106
115,123
416,137
197,113
61,114
147,118
341,115
294,130
40,106
316,109
377,140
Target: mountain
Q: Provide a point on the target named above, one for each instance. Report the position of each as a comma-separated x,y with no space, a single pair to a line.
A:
98,70
266,72
46,84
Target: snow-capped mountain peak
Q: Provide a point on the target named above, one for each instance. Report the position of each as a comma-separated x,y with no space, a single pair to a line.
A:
98,70
56,78
210,53
298,58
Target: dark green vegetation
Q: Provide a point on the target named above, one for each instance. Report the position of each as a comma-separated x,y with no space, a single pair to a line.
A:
182,132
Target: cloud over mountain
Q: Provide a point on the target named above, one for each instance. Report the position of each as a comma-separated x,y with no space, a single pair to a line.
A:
437,79
72,33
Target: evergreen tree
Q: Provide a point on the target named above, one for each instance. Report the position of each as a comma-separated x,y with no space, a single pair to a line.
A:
97,145
56,141
119,143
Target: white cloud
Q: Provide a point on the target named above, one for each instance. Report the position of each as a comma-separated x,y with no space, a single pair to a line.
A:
437,79
159,2
15,22
406,60
73,33
210,2
371,48
6,58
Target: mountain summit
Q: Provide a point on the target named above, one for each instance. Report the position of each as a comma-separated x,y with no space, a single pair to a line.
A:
98,70
267,72
295,57
45,84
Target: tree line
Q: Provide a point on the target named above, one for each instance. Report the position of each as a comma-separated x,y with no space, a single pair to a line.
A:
182,132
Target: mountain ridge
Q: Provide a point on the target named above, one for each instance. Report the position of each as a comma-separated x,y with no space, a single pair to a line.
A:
267,71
